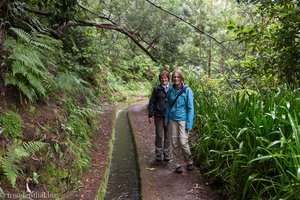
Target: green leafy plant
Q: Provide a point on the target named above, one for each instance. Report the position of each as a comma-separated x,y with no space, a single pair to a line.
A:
28,63
11,124
14,155
53,176
69,82
250,142
35,177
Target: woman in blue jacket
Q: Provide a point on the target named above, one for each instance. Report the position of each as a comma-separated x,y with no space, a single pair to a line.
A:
179,118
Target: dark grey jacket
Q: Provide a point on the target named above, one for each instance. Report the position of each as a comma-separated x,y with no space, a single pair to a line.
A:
157,102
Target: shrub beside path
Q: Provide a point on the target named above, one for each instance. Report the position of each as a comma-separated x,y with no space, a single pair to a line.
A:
158,179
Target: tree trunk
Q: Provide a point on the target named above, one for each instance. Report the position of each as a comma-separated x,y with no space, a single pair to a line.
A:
209,59
1,49
1,60
3,12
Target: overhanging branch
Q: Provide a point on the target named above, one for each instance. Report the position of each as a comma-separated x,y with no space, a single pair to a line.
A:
116,28
196,28
108,26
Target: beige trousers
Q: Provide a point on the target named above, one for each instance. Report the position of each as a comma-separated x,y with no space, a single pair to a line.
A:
180,145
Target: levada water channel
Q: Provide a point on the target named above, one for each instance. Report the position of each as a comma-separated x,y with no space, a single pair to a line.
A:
123,181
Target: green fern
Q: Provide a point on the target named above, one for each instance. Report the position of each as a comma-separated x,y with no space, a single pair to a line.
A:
14,155
22,34
31,95
33,146
29,63
10,170
69,81
85,112
1,193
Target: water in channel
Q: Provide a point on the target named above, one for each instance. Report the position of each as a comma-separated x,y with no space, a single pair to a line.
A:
123,182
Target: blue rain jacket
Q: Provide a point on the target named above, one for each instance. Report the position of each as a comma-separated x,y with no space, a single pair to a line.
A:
183,109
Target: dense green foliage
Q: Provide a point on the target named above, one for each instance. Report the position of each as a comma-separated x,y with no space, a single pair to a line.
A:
271,53
251,142
47,60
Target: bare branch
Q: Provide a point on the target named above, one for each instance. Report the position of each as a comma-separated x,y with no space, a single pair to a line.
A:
92,12
38,12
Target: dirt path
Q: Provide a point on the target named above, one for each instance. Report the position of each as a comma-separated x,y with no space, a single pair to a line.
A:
158,179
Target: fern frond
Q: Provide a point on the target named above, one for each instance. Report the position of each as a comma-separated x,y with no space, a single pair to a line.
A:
11,171
19,153
28,55
34,146
42,45
38,72
10,43
42,38
87,112
1,192
36,25
22,34
69,82
29,61
29,92
10,80
36,84
19,68
15,153
8,162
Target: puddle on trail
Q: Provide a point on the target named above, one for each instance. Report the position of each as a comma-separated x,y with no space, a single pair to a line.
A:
136,108
123,182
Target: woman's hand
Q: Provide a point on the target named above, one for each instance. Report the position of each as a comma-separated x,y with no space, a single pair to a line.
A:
150,119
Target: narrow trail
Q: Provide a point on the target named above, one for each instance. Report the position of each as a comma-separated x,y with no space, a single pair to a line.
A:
158,179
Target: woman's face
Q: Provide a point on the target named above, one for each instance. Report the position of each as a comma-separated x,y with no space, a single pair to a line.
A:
164,80
176,79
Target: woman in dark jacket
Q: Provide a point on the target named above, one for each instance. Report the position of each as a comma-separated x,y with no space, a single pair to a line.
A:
157,109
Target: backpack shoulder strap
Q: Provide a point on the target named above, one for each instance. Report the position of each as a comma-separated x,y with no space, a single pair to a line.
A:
181,91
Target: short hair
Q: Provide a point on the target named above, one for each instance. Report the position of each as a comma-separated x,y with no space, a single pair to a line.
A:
164,73
180,74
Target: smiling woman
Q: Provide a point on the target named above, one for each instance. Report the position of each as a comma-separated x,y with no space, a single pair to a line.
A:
157,109
179,118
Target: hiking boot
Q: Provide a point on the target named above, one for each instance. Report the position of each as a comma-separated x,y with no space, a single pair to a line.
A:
179,170
190,167
159,158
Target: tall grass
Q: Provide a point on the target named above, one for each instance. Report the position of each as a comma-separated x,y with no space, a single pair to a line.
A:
250,142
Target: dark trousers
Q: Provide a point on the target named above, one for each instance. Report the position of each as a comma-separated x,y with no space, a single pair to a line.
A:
162,138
